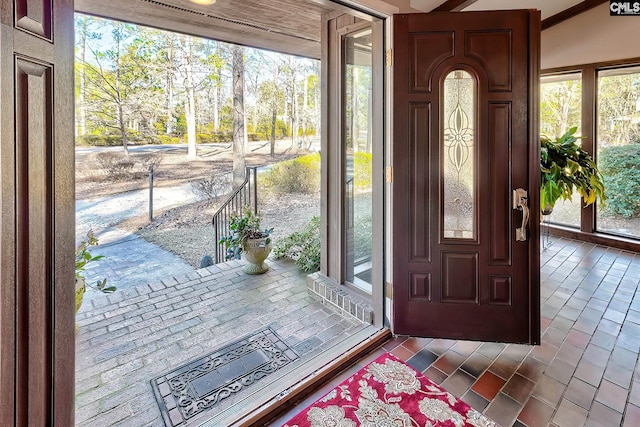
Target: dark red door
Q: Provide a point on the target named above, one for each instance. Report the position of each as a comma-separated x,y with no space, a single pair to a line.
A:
465,133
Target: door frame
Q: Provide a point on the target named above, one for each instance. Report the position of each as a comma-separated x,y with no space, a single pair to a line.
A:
335,27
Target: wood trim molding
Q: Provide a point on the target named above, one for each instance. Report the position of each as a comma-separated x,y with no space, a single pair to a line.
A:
609,240
570,13
313,382
628,62
454,5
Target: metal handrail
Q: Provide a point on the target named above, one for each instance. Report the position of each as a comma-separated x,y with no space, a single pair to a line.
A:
246,195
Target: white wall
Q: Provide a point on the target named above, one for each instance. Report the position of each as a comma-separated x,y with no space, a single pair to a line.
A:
590,37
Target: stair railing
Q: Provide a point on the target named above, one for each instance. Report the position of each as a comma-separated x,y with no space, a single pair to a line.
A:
245,196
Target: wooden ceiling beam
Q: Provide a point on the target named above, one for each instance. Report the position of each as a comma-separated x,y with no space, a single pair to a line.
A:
453,5
570,13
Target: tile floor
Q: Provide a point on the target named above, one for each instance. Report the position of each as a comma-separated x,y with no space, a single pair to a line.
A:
586,372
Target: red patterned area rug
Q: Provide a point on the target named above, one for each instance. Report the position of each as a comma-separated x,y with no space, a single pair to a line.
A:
387,392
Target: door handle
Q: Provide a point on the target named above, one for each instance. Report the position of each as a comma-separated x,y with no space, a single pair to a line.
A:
520,203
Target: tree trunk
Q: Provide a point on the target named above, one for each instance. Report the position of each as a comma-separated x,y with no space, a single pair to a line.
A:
238,114
191,101
123,128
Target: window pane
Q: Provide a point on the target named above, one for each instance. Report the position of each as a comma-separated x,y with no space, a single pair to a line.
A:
459,167
358,158
560,110
618,142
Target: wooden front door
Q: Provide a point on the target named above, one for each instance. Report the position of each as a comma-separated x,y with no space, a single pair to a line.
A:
464,137
37,232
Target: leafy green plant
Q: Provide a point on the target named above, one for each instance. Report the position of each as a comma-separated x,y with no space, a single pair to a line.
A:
565,166
84,257
621,167
242,227
302,246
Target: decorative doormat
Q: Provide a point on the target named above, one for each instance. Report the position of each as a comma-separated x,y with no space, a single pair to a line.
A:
199,385
389,392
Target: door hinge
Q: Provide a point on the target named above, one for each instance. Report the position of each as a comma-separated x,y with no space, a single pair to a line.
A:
389,57
388,174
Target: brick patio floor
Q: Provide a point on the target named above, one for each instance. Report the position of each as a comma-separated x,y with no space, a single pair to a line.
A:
135,334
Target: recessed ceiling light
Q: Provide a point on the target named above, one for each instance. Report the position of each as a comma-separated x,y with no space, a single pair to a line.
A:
204,2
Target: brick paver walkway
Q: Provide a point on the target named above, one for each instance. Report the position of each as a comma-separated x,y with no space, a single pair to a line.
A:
130,261
127,338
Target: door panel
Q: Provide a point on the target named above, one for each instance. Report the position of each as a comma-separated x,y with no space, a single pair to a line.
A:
462,121
36,213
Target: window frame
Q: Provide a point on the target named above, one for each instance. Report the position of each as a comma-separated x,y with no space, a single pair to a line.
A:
587,231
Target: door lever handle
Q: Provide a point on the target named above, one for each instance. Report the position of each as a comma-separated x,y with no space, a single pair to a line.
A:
520,203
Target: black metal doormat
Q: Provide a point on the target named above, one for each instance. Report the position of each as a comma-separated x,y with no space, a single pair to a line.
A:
199,385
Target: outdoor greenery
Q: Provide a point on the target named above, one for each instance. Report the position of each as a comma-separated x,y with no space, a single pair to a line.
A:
299,175
243,227
621,166
84,257
302,246
566,167
142,85
363,170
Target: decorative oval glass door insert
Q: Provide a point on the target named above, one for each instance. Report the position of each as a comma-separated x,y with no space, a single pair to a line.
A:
459,157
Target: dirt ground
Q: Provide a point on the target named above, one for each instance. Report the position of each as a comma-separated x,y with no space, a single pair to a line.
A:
186,230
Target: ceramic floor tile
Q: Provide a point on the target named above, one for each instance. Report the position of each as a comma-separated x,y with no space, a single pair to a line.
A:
503,410
449,362
612,395
422,360
604,415
476,364
631,416
458,383
536,413
435,375
474,400
488,385
580,393
518,388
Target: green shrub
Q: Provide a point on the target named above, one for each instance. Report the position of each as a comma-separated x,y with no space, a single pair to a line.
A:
299,175
302,246
620,167
164,139
363,170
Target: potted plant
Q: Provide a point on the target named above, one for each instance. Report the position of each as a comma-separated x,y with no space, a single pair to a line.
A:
247,237
565,167
83,257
